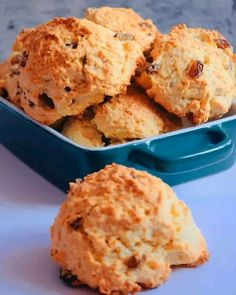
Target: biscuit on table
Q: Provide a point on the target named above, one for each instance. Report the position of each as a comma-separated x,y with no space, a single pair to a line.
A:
64,66
192,73
126,22
121,230
133,116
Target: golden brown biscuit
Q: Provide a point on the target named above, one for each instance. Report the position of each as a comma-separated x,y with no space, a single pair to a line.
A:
83,131
127,23
9,81
68,64
192,73
120,230
3,72
132,116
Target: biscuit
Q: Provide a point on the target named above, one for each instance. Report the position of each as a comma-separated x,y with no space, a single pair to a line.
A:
192,73
127,23
133,116
9,84
83,131
120,230
68,64
3,72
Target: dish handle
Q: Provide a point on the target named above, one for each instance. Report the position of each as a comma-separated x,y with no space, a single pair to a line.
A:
185,152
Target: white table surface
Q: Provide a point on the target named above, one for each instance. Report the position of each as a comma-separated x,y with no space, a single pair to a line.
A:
28,205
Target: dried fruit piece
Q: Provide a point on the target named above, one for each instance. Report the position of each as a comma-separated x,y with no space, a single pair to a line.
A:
145,25
196,69
23,59
67,89
222,43
72,44
107,98
124,36
31,103
84,60
89,113
69,278
135,260
46,101
77,223
153,68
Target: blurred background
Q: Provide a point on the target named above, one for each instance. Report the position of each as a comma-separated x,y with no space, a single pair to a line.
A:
215,14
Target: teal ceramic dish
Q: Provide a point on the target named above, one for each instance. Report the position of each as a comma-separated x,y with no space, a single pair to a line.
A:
176,157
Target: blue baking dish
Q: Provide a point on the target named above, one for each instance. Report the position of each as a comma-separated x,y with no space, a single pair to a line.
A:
176,157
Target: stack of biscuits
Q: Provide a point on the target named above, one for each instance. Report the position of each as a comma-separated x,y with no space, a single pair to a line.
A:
112,77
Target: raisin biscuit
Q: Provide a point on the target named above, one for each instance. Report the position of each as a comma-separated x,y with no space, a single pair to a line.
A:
192,73
68,64
120,230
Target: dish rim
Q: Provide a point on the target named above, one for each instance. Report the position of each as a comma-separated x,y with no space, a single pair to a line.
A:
106,148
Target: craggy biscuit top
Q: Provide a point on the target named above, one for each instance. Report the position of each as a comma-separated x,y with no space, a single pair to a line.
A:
68,64
121,229
192,73
132,116
127,23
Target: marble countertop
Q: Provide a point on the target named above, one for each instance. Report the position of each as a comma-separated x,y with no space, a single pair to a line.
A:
217,14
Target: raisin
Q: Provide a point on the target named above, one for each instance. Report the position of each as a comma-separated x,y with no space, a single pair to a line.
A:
69,278
72,44
124,36
67,89
148,57
23,59
107,98
31,103
222,43
196,69
84,60
77,223
89,113
135,260
145,25
3,93
153,68
46,101
19,89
